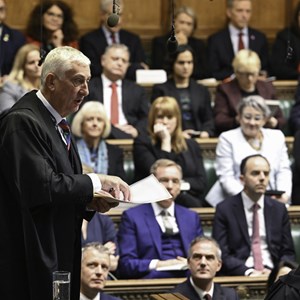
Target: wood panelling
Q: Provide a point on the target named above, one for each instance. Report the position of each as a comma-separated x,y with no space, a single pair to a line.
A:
149,18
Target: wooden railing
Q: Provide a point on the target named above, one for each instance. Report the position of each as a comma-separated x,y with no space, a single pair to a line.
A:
285,89
247,287
207,145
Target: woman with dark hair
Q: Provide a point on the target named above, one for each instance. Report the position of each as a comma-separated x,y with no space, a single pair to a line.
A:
166,140
51,25
185,25
193,98
285,58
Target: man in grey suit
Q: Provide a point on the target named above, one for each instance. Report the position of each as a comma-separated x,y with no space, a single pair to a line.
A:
204,261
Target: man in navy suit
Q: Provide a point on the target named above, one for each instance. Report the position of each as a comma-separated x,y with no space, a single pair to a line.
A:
223,45
204,261
93,44
148,247
133,103
10,41
234,226
95,264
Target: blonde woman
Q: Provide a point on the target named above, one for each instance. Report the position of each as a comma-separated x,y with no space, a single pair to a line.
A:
24,76
166,140
247,66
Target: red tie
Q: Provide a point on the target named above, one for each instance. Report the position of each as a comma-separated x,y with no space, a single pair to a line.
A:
256,249
113,38
241,42
114,104
64,125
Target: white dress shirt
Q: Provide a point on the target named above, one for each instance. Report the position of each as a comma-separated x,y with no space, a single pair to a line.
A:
107,91
248,208
83,297
234,36
200,292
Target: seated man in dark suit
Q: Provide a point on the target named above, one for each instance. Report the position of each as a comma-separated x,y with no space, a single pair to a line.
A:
125,102
10,42
204,261
154,238
95,264
253,230
93,43
223,45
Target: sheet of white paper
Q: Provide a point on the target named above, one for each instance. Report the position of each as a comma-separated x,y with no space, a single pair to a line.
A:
177,267
146,190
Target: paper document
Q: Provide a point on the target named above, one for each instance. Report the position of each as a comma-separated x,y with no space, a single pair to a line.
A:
147,190
177,267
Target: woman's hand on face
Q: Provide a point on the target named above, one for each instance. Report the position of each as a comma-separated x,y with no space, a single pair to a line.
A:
57,38
161,131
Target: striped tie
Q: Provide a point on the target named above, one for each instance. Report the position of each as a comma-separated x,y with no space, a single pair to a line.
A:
66,132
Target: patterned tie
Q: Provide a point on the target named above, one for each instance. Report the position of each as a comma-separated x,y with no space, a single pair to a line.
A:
114,104
207,297
241,42
166,221
255,244
66,132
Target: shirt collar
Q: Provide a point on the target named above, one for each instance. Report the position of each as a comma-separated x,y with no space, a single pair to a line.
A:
50,108
158,209
200,292
83,297
107,33
248,203
235,31
107,82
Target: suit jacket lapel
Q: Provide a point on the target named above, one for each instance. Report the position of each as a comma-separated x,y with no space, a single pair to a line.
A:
268,210
183,230
153,228
241,217
125,97
228,44
218,294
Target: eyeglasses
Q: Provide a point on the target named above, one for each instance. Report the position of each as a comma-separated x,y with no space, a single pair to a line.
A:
251,117
51,14
247,74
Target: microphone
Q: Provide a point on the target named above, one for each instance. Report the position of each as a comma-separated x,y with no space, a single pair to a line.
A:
113,19
172,43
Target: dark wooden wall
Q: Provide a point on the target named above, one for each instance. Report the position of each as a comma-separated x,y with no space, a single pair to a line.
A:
149,18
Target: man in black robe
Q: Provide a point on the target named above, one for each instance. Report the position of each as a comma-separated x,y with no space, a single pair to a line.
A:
43,194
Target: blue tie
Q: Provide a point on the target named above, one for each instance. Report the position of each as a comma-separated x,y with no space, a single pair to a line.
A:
66,132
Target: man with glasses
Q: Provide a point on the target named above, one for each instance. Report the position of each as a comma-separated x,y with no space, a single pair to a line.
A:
246,65
10,42
44,195
154,238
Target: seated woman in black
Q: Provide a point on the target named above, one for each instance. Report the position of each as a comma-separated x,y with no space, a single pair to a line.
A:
166,140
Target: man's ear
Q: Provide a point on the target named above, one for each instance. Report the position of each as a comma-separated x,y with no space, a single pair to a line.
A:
242,178
50,81
219,265
228,13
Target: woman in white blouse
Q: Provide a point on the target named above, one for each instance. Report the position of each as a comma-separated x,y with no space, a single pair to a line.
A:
251,138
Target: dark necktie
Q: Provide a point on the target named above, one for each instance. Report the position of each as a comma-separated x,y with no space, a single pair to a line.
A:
166,221
114,104
113,38
255,244
241,42
66,132
207,297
